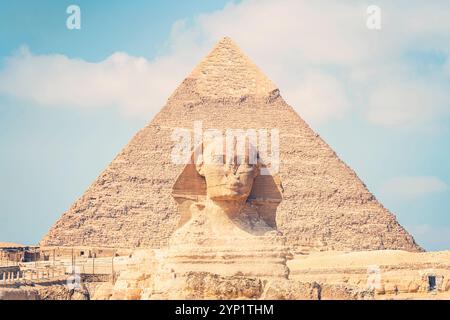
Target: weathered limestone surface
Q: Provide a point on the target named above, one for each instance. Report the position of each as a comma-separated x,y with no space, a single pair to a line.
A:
325,205
399,274
222,229
317,276
143,281
39,292
136,278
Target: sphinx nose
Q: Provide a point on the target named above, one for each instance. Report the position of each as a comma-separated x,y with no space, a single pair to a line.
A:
231,170
231,174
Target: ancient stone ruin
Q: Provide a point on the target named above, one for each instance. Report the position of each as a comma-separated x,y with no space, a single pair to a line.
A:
221,226
221,229
325,205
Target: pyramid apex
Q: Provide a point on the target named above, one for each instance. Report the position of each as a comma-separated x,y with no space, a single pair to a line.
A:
226,40
227,72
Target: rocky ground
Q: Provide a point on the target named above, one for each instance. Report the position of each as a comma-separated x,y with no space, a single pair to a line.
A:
320,275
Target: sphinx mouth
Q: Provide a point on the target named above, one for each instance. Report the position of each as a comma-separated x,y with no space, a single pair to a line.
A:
235,185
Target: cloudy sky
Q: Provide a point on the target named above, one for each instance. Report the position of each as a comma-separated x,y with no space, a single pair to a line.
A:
71,99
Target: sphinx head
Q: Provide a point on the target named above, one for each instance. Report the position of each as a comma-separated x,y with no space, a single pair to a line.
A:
227,178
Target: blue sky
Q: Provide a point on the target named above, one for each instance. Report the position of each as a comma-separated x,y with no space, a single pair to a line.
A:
71,99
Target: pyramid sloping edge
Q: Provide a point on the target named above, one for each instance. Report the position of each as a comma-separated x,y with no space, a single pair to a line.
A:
325,206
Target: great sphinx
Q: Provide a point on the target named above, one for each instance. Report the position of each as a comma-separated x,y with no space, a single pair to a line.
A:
227,216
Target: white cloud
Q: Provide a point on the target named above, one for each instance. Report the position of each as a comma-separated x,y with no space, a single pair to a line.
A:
132,84
413,187
321,54
318,98
403,103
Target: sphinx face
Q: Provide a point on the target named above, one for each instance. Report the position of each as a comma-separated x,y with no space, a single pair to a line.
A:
227,181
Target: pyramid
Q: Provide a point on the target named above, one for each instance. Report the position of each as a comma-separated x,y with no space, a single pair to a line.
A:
325,205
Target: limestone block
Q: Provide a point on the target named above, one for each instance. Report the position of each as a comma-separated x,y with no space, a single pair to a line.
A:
291,290
413,287
103,291
447,285
390,288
